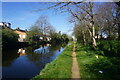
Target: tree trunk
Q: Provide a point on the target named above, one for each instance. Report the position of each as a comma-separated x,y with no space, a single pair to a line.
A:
118,31
92,26
109,34
101,36
93,36
118,18
84,40
109,30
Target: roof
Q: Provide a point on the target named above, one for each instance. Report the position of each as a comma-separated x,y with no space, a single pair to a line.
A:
18,29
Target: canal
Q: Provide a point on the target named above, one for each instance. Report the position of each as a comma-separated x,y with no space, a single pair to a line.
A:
27,62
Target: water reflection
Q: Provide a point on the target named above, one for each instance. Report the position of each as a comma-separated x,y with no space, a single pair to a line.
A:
21,51
8,57
28,62
42,50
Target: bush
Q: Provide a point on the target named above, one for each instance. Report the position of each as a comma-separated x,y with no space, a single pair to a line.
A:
110,48
9,38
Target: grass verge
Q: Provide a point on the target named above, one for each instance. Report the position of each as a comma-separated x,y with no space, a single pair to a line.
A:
95,66
60,67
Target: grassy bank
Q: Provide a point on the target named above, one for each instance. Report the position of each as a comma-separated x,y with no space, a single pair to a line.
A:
60,67
95,64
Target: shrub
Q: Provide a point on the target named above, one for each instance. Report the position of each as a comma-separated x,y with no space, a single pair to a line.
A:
9,38
110,48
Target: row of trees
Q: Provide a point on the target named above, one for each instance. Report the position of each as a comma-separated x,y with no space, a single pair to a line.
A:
43,28
58,37
92,19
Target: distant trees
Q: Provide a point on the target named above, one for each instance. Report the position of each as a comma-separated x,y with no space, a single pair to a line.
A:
58,37
33,34
65,37
44,25
76,9
92,20
43,28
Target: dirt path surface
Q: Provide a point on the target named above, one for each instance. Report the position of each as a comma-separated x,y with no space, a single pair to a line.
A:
75,67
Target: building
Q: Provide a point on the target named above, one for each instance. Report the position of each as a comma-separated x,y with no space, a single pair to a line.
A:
45,38
97,37
5,24
22,34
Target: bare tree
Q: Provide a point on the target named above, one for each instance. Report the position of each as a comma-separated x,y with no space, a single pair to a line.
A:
117,19
86,9
107,19
44,25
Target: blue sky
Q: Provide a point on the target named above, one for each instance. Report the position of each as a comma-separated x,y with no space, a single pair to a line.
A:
20,14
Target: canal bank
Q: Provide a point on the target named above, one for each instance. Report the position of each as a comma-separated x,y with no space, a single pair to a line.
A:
92,65
60,67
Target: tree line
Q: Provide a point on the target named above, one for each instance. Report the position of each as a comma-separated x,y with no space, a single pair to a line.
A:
42,28
96,19
91,19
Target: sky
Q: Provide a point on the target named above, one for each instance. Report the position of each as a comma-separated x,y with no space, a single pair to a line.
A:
23,15
57,0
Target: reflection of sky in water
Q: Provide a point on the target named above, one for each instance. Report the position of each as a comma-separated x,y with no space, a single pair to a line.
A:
28,62
46,53
57,53
42,50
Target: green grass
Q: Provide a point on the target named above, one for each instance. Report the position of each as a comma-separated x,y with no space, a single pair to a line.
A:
104,67
60,67
90,66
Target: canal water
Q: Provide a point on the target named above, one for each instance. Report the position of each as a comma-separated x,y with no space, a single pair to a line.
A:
29,61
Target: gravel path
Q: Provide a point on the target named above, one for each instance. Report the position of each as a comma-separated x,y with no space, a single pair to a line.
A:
75,67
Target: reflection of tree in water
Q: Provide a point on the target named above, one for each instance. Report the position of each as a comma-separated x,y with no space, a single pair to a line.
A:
64,44
57,46
22,51
47,51
34,58
8,57
42,55
30,49
38,59
42,50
